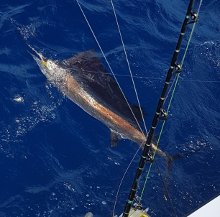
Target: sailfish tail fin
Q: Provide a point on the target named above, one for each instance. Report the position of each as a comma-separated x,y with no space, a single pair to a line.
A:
169,160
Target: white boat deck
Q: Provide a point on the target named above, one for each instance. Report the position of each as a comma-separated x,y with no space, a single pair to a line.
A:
212,209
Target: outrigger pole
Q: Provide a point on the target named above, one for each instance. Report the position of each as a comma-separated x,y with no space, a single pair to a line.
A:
160,113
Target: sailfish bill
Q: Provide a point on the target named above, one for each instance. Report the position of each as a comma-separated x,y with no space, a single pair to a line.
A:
85,81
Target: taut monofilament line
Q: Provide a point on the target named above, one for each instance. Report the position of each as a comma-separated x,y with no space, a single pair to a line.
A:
160,113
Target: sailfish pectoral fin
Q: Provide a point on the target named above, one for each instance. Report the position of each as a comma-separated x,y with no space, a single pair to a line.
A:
115,138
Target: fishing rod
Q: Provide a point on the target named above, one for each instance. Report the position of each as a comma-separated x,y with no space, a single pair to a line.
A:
160,113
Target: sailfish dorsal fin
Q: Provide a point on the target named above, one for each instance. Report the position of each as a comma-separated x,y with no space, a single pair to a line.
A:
87,68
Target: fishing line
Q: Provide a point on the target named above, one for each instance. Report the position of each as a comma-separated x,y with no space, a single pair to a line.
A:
108,65
162,79
170,103
116,197
170,88
129,68
186,49
203,81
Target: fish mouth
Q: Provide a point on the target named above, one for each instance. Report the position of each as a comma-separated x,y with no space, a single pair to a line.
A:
44,63
42,58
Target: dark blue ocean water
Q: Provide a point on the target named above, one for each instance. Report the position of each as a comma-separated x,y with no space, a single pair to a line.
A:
55,160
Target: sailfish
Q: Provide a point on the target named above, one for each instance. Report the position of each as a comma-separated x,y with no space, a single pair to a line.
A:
85,81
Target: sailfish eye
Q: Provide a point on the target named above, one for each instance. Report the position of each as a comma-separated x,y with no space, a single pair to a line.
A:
50,64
